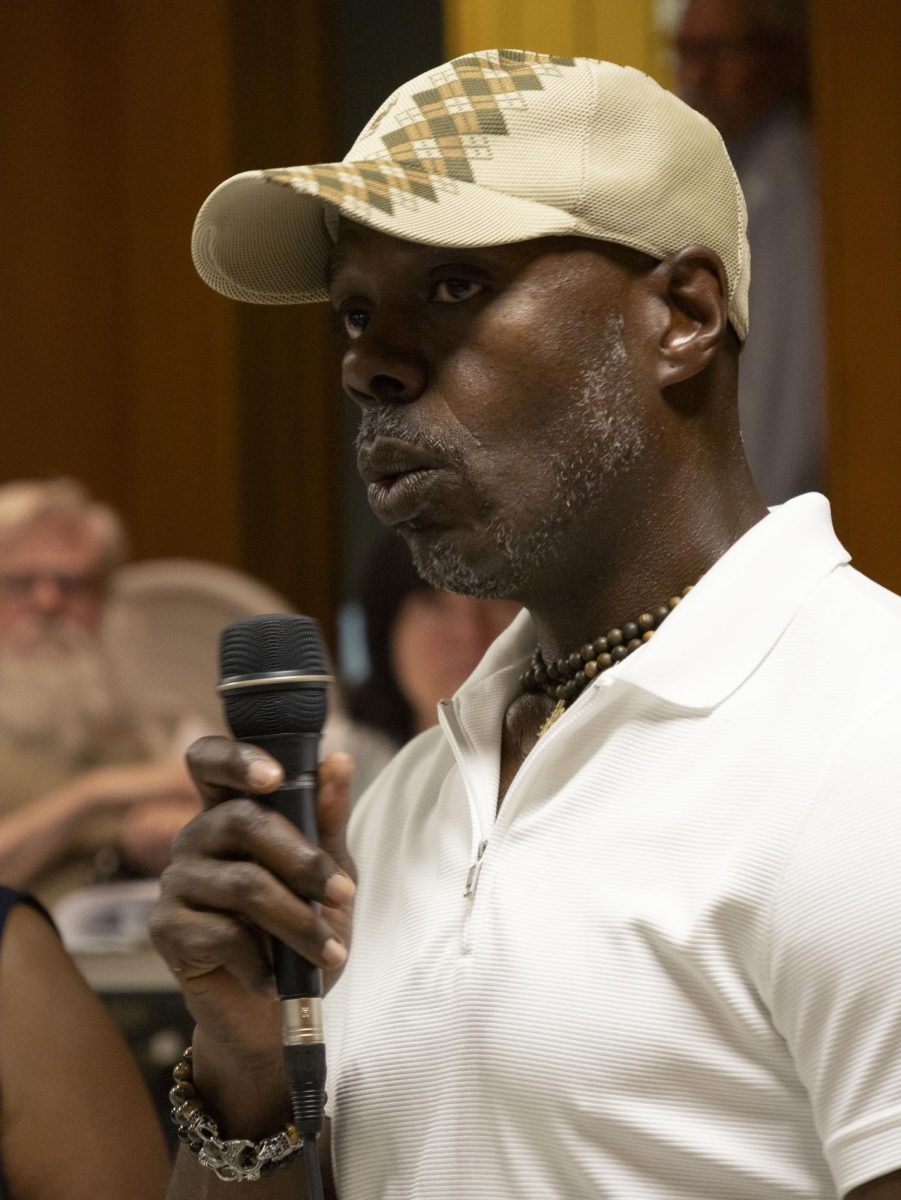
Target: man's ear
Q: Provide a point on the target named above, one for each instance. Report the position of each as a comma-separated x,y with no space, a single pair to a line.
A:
692,285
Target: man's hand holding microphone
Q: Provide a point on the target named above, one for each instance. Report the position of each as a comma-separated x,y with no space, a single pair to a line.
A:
242,873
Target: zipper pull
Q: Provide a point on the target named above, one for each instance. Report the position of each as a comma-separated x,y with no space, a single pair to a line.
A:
473,877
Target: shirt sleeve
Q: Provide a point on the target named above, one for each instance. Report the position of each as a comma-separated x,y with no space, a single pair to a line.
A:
835,965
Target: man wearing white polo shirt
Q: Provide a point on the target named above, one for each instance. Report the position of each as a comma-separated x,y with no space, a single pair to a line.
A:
626,923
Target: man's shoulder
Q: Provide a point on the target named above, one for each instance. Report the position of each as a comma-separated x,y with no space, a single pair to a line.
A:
848,667
873,612
851,627
868,592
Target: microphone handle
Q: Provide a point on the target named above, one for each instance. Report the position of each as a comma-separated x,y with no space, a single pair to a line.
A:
295,799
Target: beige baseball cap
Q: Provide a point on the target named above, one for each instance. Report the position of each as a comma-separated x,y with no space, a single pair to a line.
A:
493,147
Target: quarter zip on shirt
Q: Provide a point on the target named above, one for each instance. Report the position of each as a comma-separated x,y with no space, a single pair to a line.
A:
466,755
488,830
472,878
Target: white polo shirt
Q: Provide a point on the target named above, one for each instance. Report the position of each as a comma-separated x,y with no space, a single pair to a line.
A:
678,971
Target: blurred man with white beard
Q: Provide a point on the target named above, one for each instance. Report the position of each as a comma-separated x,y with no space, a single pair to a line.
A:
79,769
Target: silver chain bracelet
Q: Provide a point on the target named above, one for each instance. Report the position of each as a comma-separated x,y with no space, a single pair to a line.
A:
233,1160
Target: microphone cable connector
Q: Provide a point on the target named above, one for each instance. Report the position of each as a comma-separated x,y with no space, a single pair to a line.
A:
303,1044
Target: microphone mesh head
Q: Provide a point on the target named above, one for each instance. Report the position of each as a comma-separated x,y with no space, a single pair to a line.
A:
273,643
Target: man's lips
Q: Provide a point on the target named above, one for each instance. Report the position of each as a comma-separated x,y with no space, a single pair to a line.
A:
400,476
385,459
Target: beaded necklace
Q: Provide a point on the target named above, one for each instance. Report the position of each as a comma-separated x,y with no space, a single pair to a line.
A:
568,677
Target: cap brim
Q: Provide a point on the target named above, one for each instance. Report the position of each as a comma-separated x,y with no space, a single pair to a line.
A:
263,236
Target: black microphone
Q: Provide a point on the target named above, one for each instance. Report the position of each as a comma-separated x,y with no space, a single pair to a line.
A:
273,679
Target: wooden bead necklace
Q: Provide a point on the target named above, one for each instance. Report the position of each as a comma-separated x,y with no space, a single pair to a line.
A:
568,677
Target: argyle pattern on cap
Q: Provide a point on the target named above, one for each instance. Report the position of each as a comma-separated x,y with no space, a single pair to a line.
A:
435,140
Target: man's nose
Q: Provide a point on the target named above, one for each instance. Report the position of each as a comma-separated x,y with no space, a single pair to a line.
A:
379,371
47,595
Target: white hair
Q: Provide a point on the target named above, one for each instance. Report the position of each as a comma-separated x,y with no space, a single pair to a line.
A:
27,503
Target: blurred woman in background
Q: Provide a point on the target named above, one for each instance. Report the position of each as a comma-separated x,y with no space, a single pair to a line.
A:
422,643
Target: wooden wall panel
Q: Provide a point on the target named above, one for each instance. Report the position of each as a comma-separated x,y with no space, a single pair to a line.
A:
178,341
188,412
60,341
113,115
856,59
291,398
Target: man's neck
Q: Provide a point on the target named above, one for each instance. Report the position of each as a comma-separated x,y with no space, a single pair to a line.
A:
648,562
614,584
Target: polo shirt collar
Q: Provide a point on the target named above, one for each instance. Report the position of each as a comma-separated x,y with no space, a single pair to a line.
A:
728,623
726,626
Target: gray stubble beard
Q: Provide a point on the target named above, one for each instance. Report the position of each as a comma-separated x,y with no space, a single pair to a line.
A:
594,439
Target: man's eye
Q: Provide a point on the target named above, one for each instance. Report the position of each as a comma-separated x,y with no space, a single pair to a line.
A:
453,291
354,321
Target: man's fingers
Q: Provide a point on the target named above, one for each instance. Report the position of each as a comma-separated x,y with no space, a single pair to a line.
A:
251,893
240,871
222,768
196,944
246,829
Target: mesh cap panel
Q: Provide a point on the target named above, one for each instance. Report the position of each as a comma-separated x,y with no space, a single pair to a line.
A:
493,147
